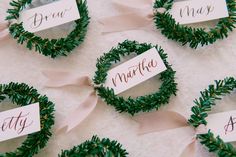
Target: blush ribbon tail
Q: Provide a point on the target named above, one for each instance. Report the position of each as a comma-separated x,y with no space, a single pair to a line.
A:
190,149
132,5
80,113
4,24
132,18
160,121
4,34
57,79
166,120
4,31
61,79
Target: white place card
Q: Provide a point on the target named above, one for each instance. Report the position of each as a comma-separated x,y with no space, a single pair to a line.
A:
135,71
223,124
50,15
19,122
193,11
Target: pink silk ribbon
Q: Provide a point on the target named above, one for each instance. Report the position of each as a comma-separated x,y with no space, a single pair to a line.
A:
4,24
63,79
166,120
135,14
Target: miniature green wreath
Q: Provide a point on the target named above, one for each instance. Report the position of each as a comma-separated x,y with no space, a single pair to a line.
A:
96,147
203,105
141,103
22,94
49,47
194,36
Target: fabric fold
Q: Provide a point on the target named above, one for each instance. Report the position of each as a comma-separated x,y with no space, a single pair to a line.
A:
135,14
133,4
4,24
166,120
59,79
80,113
160,121
190,149
126,21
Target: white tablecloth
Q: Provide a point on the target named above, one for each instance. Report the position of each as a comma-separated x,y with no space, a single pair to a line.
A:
196,69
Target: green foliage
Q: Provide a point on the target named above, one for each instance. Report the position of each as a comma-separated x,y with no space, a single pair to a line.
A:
217,145
141,103
193,36
96,148
49,47
22,94
202,106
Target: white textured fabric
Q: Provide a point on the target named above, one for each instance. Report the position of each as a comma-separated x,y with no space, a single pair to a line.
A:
196,69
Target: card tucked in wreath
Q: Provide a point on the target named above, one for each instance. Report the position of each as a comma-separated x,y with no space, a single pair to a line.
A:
22,23
135,71
170,16
34,118
19,122
107,84
50,15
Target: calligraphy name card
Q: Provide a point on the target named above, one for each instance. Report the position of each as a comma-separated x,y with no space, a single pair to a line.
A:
135,71
19,122
50,15
193,11
223,124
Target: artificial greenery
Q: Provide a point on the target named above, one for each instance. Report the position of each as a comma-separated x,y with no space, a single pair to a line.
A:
141,103
193,36
203,105
22,94
48,47
96,148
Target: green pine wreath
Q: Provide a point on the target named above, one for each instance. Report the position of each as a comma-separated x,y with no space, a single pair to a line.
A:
193,36
141,103
202,106
48,47
96,148
22,95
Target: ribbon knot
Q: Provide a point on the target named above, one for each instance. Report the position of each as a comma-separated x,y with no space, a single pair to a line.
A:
135,14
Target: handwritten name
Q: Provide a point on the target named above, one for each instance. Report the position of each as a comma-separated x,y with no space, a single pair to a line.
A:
139,69
230,126
38,18
17,123
187,11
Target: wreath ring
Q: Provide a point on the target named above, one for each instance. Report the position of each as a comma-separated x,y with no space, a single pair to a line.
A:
193,36
48,47
141,103
204,104
96,147
22,94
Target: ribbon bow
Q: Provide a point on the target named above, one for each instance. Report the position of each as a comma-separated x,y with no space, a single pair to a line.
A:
4,24
136,14
62,79
166,120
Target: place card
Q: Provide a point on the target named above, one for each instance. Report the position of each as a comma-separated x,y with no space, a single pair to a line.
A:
135,71
19,122
50,15
223,124
193,11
